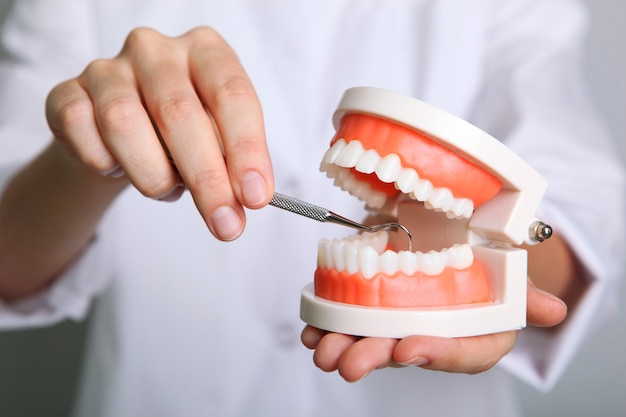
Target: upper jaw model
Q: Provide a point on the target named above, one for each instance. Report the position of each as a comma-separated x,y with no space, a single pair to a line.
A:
464,196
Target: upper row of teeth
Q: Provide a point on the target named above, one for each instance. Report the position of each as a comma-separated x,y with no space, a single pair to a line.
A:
389,169
364,254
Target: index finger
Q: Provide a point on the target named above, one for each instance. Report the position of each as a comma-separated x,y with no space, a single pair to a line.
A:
229,95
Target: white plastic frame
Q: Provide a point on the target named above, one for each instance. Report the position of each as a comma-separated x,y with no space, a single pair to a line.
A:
503,220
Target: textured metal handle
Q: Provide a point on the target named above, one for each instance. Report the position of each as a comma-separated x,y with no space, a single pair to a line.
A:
324,215
299,207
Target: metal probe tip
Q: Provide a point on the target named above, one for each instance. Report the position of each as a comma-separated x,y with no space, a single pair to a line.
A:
394,226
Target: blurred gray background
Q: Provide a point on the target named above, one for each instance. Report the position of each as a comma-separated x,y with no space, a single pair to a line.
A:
38,368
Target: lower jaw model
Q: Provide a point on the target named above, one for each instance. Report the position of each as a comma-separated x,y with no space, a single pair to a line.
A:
466,199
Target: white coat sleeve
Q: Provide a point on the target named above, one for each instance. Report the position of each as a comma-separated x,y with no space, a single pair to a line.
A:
42,44
535,101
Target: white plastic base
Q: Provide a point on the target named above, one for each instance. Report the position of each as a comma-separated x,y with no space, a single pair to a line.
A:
506,268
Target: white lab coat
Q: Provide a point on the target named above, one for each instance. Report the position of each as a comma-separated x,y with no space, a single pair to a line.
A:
185,325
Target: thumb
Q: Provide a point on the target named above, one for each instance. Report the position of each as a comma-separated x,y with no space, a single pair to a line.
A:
543,309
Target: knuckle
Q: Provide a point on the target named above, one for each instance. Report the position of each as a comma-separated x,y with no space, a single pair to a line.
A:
71,113
248,147
70,118
207,179
141,37
234,86
119,113
203,34
97,67
178,108
157,185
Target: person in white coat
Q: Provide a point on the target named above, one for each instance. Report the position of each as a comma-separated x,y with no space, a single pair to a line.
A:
194,322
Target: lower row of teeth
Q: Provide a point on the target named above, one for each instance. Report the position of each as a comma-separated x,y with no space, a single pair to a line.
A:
343,156
364,255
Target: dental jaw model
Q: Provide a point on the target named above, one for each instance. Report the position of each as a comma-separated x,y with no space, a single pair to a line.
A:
466,200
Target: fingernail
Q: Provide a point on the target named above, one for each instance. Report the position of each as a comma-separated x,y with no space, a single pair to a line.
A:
550,296
253,188
416,361
361,378
115,172
226,223
174,194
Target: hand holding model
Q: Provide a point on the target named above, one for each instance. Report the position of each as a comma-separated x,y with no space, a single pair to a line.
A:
355,357
465,291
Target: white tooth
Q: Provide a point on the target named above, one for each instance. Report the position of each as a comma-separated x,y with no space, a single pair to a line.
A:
389,168
325,253
351,256
321,259
378,240
381,240
457,208
333,151
348,182
422,190
368,162
463,208
342,173
441,199
407,180
350,154
337,255
364,239
376,199
360,190
388,262
330,170
431,263
352,239
459,256
407,262
469,210
340,176
367,259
